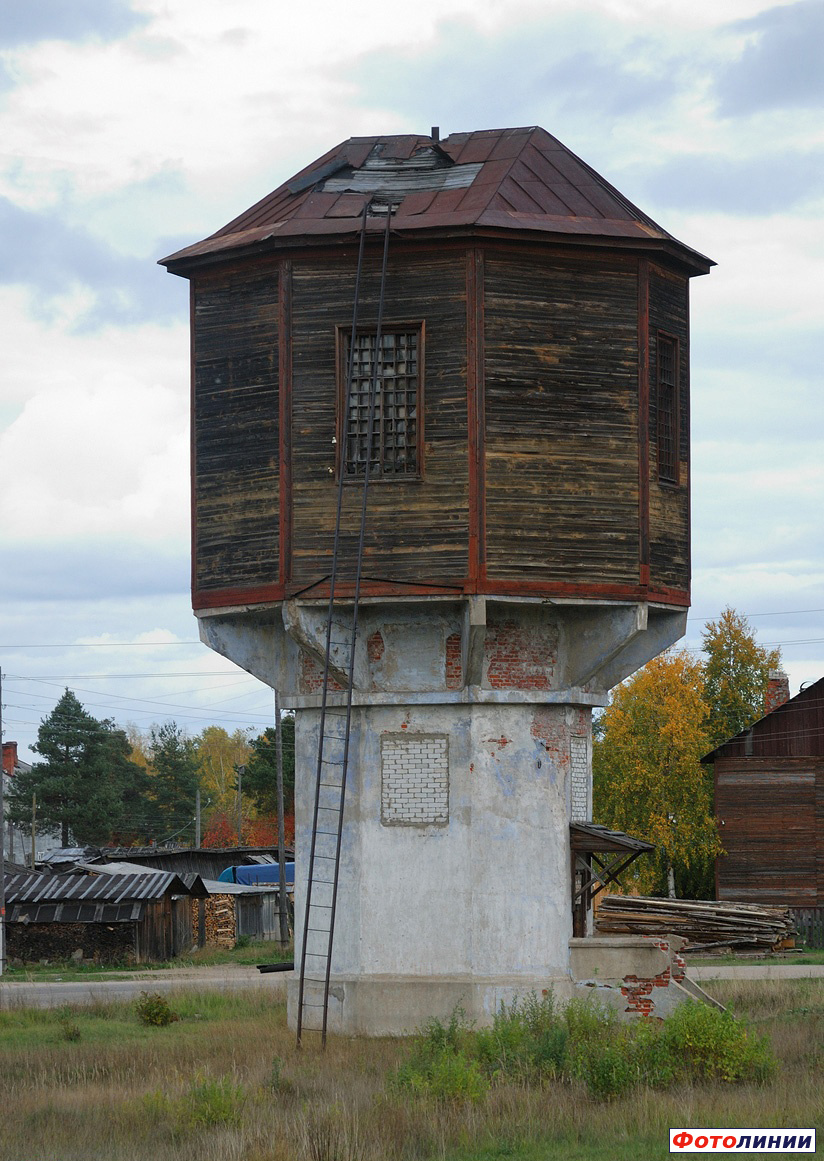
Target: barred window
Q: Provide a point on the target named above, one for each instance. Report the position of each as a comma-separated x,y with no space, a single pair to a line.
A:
667,410
395,451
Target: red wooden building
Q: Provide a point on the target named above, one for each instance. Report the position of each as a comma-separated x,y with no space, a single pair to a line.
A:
769,799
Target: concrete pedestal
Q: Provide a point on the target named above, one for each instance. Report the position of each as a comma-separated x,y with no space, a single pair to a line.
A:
470,754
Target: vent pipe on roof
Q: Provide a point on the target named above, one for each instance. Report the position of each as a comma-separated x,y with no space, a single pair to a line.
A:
435,133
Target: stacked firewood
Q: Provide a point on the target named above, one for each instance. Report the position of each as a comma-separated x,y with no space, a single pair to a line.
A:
220,925
704,925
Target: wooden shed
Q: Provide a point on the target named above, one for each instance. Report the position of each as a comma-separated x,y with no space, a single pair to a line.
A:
769,799
105,918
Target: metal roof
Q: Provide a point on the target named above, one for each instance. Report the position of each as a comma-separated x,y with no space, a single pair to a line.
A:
495,179
592,836
36,888
794,729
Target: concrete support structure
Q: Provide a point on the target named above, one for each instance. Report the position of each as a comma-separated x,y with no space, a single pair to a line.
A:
470,754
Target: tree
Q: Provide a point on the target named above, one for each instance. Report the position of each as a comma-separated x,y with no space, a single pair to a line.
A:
86,785
647,776
174,782
219,754
260,779
736,673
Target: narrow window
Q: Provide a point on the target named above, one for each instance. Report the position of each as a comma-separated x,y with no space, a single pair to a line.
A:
395,451
667,410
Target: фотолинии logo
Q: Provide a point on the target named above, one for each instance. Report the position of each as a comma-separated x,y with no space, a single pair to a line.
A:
747,1140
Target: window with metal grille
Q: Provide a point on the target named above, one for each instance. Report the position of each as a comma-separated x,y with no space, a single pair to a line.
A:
667,409
395,451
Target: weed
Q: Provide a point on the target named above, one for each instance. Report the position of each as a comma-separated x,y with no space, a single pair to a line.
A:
154,1011
69,1029
713,1045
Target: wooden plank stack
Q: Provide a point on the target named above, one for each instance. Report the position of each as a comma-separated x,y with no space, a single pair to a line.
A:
705,925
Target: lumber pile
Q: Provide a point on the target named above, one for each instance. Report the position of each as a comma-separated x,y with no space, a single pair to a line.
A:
704,925
220,924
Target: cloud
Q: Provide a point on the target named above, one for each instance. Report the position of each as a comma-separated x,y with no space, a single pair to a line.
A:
33,20
52,258
96,569
780,66
774,181
107,456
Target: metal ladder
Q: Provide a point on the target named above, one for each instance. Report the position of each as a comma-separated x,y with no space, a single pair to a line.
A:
335,723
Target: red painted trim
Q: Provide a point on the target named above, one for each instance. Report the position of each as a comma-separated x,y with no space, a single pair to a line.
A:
643,420
219,598
285,421
192,464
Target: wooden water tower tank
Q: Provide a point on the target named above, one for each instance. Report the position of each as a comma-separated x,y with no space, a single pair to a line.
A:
527,534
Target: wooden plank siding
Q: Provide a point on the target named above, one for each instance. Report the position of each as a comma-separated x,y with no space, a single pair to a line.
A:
669,511
235,430
561,398
417,529
767,810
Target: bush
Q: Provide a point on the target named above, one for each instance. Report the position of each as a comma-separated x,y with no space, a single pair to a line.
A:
439,1067
154,1011
714,1045
533,1041
527,1041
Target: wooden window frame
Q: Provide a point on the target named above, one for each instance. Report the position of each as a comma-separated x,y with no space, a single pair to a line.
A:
342,338
668,412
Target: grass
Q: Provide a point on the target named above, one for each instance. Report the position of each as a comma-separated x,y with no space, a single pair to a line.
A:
225,1081
246,955
808,956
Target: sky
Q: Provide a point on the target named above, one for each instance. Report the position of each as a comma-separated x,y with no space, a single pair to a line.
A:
130,128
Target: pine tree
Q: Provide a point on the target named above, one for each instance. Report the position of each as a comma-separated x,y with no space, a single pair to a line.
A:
174,781
86,786
260,779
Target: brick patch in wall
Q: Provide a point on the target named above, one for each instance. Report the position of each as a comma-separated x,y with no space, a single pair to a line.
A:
580,777
414,779
519,657
454,669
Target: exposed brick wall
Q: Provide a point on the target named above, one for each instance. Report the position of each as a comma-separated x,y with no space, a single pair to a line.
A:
640,993
312,676
414,779
454,669
519,657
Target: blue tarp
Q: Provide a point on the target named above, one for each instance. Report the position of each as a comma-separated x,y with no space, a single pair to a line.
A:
258,875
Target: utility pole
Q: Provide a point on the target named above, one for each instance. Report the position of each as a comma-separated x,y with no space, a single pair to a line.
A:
2,841
33,821
241,770
197,819
284,915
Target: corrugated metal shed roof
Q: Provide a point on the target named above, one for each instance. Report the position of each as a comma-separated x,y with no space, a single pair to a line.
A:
36,888
494,179
196,883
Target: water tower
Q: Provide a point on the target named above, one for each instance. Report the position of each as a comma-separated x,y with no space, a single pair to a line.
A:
520,332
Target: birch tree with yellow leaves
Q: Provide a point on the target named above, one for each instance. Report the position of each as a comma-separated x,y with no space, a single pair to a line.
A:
648,779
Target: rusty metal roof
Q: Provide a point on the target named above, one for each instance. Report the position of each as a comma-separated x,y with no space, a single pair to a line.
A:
592,836
36,888
491,180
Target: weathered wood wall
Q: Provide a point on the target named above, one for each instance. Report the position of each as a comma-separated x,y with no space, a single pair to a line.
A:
535,477
235,428
561,418
769,811
417,528
669,515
